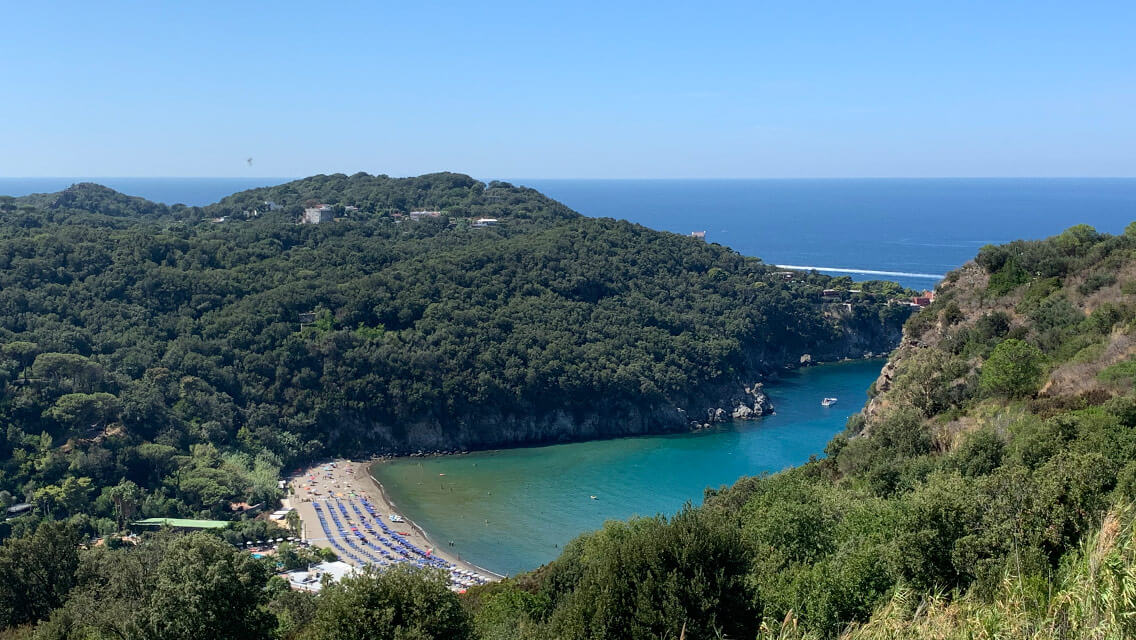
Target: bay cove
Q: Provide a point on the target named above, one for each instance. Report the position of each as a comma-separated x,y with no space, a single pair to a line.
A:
513,510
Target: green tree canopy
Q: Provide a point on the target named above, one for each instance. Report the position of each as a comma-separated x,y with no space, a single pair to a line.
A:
204,588
398,603
37,572
1014,369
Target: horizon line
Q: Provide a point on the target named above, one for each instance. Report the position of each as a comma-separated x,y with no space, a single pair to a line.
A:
215,177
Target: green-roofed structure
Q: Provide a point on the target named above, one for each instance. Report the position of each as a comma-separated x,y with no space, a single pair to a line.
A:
181,523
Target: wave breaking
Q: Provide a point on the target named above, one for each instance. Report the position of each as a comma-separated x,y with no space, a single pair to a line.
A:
869,272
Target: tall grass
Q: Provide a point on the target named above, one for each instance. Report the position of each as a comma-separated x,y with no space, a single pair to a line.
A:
1092,597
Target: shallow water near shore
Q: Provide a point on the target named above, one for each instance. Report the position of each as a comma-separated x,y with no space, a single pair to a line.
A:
513,510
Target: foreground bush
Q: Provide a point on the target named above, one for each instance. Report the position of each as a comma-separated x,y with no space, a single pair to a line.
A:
398,603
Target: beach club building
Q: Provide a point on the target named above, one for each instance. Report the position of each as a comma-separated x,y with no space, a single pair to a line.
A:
181,524
312,579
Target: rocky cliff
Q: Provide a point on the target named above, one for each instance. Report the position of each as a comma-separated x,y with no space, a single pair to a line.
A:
739,397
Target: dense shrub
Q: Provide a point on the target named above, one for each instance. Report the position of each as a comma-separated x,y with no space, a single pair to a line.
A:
399,602
1013,370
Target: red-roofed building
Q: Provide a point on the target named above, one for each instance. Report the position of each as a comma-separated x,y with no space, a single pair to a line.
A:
924,300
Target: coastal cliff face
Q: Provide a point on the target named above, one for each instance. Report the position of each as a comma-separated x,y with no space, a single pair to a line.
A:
738,397
1064,307
966,282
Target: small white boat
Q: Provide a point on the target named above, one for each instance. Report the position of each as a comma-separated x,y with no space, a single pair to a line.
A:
828,402
394,517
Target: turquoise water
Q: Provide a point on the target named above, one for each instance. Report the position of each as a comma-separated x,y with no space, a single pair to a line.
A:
513,510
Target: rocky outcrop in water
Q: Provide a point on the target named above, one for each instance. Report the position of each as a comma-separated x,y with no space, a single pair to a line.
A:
751,403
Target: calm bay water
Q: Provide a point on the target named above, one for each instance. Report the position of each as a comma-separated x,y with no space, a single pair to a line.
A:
513,510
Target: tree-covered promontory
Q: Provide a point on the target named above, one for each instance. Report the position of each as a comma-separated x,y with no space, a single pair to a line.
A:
167,360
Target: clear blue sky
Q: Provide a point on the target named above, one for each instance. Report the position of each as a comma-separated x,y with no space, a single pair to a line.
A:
580,89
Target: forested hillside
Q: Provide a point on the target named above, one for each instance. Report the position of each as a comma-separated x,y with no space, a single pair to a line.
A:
455,194
165,361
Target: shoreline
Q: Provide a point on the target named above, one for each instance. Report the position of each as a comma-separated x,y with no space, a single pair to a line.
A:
365,470
774,378
354,477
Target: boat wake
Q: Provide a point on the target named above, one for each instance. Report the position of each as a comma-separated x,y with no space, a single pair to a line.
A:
869,272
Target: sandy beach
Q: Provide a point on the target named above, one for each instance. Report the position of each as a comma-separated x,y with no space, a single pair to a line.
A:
347,478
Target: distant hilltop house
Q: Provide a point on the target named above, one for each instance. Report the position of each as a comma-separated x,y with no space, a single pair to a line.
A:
418,215
317,214
19,509
788,275
923,300
701,235
830,293
486,222
269,205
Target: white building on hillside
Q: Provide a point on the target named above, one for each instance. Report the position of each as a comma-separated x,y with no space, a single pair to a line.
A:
312,580
317,214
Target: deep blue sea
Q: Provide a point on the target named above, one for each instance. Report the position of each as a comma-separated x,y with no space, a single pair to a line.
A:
908,226
911,226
